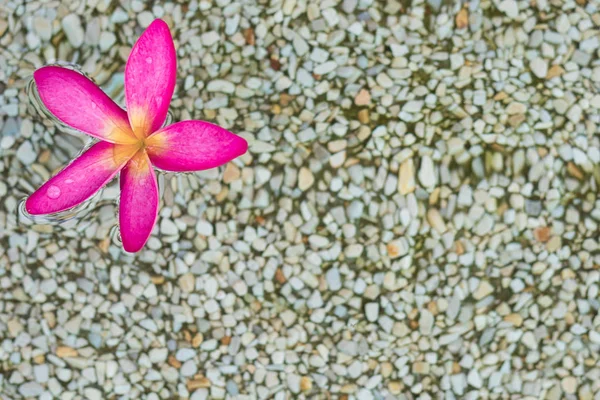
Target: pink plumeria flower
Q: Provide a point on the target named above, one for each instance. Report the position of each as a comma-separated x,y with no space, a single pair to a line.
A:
131,142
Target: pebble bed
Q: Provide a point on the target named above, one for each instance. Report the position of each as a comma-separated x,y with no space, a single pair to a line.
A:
417,216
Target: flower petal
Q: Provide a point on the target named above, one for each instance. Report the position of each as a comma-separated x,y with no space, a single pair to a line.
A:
80,103
150,79
193,146
138,209
80,179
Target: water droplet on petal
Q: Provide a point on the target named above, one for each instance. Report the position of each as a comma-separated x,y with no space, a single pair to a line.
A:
94,106
149,60
53,192
69,181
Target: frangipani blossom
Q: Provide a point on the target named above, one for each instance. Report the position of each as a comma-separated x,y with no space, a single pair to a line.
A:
130,142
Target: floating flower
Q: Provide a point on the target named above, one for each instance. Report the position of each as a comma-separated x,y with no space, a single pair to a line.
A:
130,142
